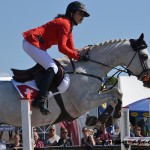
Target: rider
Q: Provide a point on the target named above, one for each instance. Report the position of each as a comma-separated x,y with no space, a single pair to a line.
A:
56,32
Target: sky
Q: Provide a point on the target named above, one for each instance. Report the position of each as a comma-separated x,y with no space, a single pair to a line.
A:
110,19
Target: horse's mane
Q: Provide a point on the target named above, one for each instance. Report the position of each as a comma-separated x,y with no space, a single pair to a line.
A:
101,46
105,44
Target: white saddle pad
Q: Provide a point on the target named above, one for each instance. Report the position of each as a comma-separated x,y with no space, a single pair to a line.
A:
23,88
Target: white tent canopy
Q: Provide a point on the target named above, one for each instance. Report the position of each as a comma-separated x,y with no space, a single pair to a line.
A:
132,89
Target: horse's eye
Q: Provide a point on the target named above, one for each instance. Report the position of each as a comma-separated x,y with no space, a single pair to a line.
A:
144,56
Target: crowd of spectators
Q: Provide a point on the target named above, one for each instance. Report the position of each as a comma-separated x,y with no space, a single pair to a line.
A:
103,136
90,137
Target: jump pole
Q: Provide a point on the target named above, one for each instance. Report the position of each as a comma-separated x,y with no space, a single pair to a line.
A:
26,121
124,124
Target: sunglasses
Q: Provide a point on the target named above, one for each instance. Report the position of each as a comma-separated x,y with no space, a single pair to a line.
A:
85,130
65,132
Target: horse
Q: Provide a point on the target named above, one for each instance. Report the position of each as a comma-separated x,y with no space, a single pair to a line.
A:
83,93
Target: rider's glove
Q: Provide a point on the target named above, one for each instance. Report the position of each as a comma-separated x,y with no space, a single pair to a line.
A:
83,57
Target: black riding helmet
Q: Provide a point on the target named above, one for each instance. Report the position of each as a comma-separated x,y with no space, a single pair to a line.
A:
77,6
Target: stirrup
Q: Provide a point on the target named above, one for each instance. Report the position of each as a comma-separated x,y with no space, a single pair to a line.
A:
44,110
36,103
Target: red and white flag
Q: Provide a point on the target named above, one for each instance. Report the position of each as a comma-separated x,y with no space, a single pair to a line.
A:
23,89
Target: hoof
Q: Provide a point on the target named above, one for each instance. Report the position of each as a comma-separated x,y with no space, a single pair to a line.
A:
117,112
103,118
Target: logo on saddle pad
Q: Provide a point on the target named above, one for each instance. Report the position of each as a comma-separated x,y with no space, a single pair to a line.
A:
23,90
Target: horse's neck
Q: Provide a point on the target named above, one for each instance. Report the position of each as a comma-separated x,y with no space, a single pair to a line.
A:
112,53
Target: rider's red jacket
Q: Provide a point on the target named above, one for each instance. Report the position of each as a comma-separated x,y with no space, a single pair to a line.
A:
56,32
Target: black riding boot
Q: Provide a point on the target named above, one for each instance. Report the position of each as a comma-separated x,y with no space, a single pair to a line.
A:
44,87
105,114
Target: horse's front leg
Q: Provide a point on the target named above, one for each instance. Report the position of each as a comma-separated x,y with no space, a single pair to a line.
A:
105,116
111,97
117,110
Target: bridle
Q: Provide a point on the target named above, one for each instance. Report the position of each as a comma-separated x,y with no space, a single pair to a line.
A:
137,46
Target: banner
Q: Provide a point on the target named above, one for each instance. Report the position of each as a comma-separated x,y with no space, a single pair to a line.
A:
7,128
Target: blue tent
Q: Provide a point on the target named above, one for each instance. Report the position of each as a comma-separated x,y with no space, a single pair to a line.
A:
140,108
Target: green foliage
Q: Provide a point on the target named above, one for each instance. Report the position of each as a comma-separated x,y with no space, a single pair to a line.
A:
111,81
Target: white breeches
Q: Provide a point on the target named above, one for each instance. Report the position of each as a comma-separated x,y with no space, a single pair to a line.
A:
39,56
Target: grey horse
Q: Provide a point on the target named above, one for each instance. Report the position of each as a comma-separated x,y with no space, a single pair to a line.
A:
82,94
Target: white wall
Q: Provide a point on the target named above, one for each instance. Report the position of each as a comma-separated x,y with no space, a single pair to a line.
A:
132,89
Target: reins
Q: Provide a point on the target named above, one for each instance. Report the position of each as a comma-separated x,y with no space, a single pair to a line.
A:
82,73
118,72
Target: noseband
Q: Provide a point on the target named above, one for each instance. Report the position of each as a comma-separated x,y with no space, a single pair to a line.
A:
138,46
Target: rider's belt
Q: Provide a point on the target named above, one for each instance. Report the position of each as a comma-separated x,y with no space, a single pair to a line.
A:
40,39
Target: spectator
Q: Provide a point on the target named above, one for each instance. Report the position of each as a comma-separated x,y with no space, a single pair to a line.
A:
137,131
117,130
116,135
131,130
87,139
98,131
37,142
16,145
65,141
34,129
91,132
104,138
53,137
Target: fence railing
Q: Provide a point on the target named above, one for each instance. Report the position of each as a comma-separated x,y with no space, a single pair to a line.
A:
107,147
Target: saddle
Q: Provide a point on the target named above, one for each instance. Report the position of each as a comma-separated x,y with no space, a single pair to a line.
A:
36,73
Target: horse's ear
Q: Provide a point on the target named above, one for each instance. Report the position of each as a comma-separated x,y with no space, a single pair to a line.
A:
138,44
141,38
